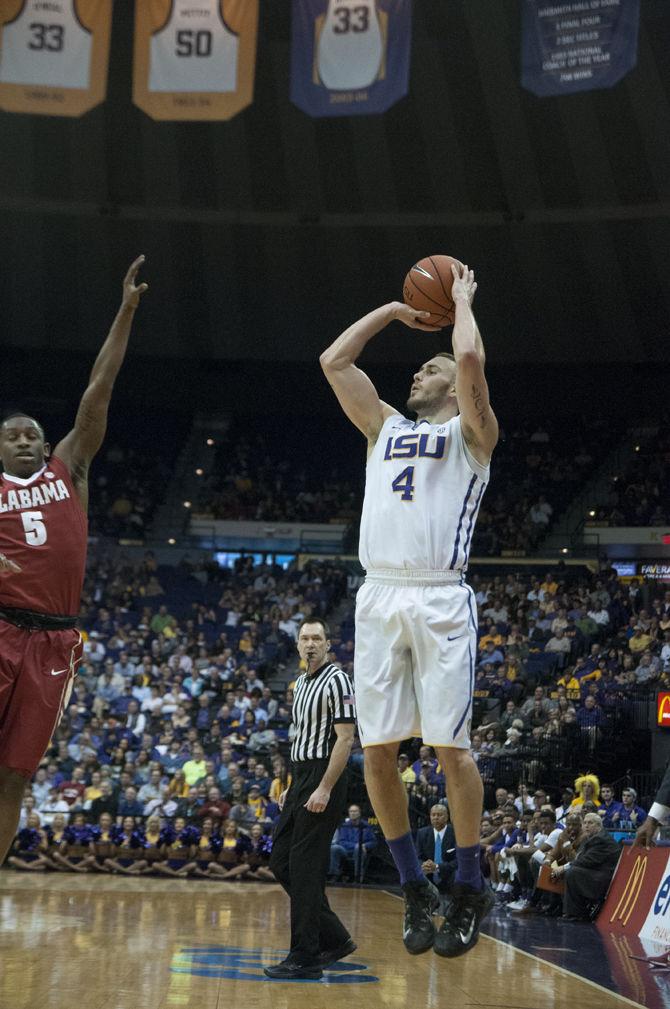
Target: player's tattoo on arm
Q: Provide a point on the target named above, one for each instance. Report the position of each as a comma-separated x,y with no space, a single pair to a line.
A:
478,399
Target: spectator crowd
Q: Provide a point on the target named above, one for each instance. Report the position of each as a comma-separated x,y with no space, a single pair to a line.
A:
535,473
172,753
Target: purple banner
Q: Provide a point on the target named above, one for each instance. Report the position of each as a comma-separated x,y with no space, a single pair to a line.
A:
577,46
349,57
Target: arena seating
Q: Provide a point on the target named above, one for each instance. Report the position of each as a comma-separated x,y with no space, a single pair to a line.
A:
640,494
535,473
181,657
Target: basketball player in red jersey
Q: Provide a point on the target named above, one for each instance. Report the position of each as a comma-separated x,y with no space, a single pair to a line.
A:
43,538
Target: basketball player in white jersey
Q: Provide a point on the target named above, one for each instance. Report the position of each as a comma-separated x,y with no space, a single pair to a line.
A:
416,630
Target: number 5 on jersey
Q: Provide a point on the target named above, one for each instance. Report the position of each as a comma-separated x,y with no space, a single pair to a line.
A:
34,528
404,484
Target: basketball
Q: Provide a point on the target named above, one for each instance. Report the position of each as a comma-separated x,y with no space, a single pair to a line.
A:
427,288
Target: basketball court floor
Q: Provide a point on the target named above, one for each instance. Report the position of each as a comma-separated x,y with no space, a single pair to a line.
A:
95,942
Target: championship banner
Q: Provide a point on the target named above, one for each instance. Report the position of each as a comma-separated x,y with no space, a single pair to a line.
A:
194,60
54,56
577,46
349,57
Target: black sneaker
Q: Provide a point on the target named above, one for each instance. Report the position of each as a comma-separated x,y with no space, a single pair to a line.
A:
289,970
421,900
333,955
460,929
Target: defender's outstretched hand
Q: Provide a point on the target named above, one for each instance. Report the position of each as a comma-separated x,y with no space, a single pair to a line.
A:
132,292
412,318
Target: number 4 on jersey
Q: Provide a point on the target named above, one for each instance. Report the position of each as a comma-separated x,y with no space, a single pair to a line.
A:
404,485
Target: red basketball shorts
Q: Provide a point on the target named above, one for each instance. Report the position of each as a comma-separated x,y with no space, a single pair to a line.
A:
37,671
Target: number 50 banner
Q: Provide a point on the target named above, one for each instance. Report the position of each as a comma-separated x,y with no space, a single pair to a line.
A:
350,57
54,56
194,60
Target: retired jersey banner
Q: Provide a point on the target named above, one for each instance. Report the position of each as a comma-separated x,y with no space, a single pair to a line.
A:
350,57
54,56
577,46
194,60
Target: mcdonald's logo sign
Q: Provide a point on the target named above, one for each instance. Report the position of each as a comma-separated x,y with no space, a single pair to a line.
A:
631,891
663,708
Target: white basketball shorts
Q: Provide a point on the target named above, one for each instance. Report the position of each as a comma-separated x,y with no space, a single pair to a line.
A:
416,645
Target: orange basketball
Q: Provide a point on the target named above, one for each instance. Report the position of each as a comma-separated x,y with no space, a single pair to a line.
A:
427,288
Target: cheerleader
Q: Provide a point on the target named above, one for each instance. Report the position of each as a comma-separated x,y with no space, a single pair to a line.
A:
75,853
57,843
30,846
231,861
258,856
152,842
179,848
207,848
125,842
102,843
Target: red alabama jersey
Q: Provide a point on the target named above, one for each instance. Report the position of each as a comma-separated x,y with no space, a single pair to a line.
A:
44,529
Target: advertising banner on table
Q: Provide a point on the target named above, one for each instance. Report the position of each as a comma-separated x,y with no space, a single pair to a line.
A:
350,57
640,880
663,708
54,56
656,926
194,60
577,45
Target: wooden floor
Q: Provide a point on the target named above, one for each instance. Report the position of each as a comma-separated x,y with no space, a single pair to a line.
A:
69,942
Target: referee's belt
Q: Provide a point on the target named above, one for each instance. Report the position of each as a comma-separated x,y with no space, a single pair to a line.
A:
28,620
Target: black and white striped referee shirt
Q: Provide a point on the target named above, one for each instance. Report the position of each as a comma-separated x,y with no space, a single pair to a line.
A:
320,702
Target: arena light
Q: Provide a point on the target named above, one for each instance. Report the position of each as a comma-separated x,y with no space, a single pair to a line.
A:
199,472
187,504
210,441
592,513
565,550
637,448
172,541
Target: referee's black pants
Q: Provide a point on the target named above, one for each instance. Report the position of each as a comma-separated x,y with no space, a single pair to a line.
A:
300,859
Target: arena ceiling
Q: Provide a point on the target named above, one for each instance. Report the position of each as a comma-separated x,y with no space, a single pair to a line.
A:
267,235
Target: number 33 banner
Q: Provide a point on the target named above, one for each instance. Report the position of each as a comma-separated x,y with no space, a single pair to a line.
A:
194,60
350,57
54,56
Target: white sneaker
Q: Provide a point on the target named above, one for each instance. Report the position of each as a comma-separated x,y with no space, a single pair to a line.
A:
508,888
499,887
519,906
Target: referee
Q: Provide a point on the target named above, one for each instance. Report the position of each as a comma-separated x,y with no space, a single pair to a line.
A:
324,717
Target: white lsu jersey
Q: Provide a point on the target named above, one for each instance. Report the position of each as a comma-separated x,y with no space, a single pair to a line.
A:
46,45
350,46
423,489
194,51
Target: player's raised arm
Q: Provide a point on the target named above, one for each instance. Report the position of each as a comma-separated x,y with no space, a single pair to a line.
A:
356,393
79,447
480,427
